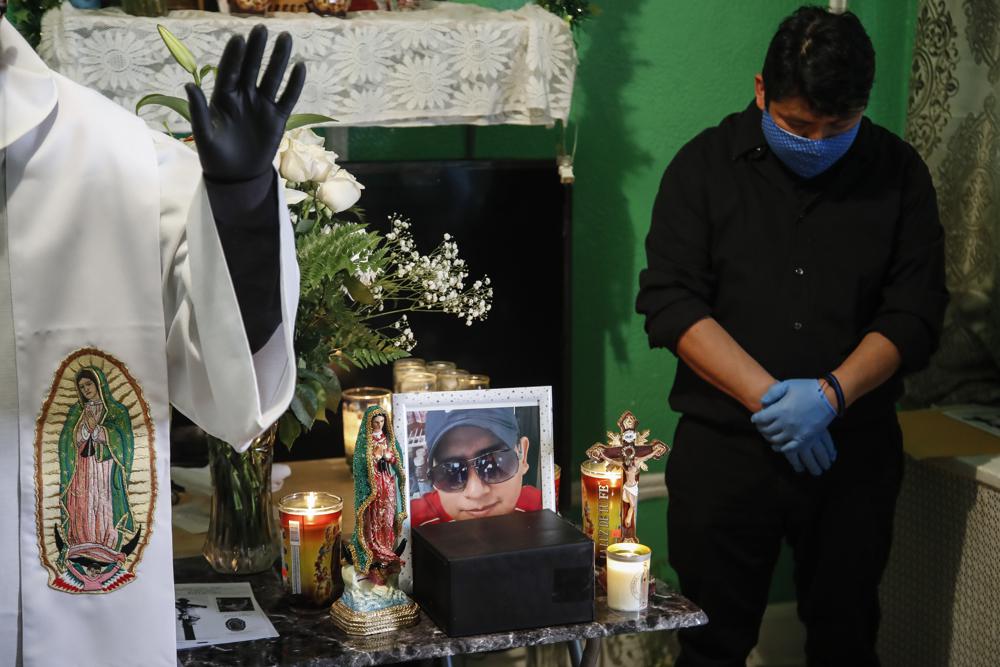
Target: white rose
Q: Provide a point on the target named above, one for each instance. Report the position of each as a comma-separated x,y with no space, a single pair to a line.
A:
341,191
282,147
301,163
292,196
305,135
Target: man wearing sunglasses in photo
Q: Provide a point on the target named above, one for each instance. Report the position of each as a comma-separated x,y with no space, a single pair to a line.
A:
477,461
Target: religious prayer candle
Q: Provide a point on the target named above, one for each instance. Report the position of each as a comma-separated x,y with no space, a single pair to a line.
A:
438,366
602,504
310,549
474,381
450,379
415,382
355,402
403,367
628,576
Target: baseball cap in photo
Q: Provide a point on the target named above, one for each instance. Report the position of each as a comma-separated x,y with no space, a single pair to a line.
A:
501,422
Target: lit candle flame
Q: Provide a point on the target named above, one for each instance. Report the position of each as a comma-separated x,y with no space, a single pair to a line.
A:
310,504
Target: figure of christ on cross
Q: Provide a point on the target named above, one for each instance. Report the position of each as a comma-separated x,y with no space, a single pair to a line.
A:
628,450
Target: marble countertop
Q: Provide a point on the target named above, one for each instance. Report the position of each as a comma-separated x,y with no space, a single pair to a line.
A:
312,640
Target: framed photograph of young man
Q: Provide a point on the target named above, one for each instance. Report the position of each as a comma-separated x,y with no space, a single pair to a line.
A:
474,454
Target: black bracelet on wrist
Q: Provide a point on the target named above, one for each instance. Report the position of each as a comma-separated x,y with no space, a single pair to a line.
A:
832,380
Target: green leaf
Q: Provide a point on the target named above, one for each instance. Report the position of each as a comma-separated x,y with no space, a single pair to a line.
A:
208,69
305,225
289,429
309,394
305,404
309,374
297,120
358,291
333,394
175,103
181,53
320,398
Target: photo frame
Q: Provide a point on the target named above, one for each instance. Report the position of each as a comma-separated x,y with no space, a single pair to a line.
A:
486,423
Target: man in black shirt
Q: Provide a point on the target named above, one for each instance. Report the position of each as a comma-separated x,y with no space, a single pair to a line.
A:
795,266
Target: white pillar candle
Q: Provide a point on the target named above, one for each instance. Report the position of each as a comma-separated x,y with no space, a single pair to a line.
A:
628,576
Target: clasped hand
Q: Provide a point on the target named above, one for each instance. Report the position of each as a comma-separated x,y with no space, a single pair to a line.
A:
794,419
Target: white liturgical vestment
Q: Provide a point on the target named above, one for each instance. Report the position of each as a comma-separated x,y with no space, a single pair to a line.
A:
115,301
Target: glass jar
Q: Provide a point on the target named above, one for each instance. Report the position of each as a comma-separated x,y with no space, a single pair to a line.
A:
450,380
417,382
310,548
242,533
628,577
474,381
403,367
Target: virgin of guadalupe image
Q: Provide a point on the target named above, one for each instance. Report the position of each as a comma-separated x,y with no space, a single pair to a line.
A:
97,530
371,602
379,481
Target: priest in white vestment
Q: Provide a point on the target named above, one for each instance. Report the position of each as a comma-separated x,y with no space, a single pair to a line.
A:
133,275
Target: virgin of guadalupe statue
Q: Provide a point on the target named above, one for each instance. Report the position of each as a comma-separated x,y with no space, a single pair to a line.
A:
372,602
380,509
97,529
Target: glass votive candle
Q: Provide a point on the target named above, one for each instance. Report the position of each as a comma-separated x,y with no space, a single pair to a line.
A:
403,367
310,547
417,382
602,504
474,381
438,366
450,380
355,402
628,576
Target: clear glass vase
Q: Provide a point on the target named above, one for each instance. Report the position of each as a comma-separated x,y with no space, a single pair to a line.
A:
242,535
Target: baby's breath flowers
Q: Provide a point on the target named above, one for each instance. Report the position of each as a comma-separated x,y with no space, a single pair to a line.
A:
435,282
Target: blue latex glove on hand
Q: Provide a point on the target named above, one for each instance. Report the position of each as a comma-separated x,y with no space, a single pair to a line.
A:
816,455
795,411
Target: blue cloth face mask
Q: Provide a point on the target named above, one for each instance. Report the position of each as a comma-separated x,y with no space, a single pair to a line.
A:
806,157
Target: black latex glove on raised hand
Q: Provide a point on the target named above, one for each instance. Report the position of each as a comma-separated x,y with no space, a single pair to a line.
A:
239,133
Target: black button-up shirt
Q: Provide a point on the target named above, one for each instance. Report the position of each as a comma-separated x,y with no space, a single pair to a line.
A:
797,271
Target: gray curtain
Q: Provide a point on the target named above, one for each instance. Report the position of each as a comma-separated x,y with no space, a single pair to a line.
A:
954,122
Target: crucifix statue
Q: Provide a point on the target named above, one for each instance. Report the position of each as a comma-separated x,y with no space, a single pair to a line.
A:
629,450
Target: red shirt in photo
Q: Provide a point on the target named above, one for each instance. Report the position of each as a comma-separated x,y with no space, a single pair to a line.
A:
427,508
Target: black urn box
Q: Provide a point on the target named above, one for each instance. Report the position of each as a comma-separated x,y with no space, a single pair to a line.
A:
514,572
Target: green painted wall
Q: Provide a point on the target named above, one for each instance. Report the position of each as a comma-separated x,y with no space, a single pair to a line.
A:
653,73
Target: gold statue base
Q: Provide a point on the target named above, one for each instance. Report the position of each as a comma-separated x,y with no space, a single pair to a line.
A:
362,623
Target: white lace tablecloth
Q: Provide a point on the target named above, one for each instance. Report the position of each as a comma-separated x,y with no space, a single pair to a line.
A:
446,65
